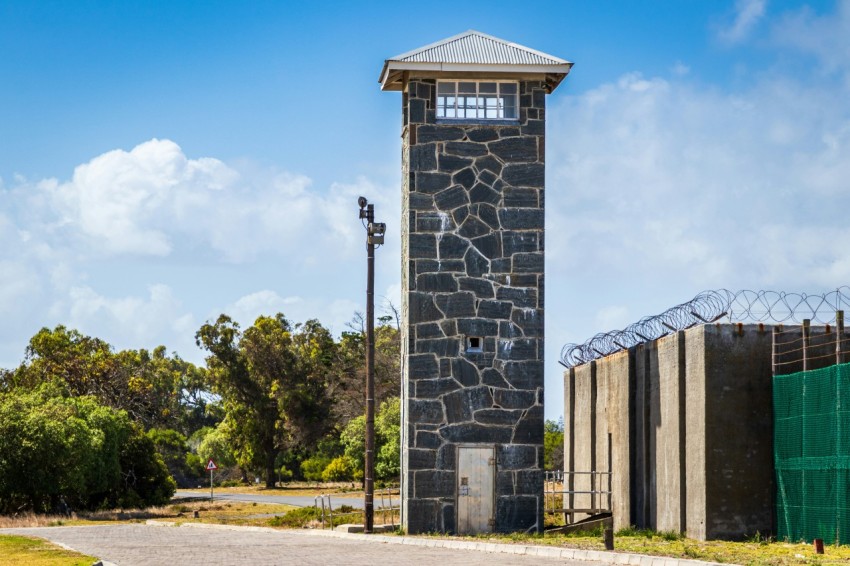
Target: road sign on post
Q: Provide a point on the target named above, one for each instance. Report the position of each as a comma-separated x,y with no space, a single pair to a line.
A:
211,467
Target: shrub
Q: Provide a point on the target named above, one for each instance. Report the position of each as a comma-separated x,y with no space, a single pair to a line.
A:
339,469
312,468
285,474
296,518
57,448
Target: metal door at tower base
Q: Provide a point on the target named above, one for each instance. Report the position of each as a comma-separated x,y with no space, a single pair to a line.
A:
476,489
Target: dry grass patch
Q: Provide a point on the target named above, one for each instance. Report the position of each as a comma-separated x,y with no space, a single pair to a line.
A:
16,550
231,512
340,489
33,520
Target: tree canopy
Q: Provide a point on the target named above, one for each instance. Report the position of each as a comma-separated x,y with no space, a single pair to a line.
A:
273,380
55,446
83,423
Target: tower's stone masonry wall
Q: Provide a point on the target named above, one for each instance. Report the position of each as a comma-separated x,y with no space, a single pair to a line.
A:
473,260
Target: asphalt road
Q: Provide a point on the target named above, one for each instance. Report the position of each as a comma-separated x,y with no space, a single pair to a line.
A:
146,545
297,500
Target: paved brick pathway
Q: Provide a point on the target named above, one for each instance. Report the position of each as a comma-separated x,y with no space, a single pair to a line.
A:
142,545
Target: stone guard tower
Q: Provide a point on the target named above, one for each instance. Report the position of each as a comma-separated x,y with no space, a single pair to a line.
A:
473,144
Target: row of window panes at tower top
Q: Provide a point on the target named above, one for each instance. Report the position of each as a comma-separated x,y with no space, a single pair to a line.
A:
478,100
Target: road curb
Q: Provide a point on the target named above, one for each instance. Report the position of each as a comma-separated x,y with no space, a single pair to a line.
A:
494,547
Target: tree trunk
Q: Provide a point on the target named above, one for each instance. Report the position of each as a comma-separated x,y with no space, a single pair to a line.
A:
271,456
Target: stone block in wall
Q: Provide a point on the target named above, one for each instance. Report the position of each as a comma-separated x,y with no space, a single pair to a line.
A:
477,433
433,133
516,457
460,405
530,428
513,399
451,198
484,193
424,515
435,388
524,174
423,157
431,183
425,411
519,149
488,245
472,228
521,297
524,375
497,416
422,246
489,163
433,483
476,264
521,197
518,513
522,218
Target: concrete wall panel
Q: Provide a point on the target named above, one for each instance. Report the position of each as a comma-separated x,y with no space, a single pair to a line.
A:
667,413
584,432
618,375
695,442
690,422
739,431
640,480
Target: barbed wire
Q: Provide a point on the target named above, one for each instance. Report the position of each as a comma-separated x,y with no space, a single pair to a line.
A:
711,306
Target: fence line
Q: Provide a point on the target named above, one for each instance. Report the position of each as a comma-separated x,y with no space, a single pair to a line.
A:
711,306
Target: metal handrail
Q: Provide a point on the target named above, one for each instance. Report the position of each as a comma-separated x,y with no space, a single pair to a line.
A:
324,504
552,478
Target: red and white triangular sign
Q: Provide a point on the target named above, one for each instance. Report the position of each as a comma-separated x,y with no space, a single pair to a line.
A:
211,465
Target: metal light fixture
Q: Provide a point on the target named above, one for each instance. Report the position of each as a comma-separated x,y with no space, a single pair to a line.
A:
374,237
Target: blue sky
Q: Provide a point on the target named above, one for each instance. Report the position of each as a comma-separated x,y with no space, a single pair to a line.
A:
162,162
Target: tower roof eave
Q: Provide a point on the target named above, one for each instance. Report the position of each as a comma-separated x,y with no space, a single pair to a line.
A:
474,52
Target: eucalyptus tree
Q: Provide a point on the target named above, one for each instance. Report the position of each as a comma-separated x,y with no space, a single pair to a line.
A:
273,381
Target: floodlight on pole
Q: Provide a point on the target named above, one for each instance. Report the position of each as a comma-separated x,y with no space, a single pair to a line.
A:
374,237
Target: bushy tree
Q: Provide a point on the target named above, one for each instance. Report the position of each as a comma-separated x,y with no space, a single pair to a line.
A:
339,469
387,440
350,367
216,445
155,389
54,446
273,383
312,468
182,464
388,431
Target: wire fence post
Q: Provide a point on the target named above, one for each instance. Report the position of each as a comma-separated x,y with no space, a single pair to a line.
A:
807,332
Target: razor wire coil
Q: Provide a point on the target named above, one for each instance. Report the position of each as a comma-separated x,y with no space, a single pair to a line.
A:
712,306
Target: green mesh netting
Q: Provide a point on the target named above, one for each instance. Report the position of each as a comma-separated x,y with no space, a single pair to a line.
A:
812,452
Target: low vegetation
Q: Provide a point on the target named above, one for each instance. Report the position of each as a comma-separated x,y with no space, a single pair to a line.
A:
25,551
757,551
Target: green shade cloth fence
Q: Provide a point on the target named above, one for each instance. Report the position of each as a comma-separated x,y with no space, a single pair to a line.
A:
812,454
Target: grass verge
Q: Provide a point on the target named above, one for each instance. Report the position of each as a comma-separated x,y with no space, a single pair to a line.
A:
757,551
17,550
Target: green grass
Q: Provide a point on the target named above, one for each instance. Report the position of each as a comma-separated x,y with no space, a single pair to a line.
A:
312,517
757,550
15,550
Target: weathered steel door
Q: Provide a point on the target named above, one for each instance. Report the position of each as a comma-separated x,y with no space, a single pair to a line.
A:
476,481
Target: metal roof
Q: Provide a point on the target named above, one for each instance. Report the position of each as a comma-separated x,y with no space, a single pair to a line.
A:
473,51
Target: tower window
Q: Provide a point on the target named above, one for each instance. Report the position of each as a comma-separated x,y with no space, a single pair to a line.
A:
474,344
477,100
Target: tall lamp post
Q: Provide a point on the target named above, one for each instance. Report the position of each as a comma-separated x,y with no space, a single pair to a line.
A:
374,236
